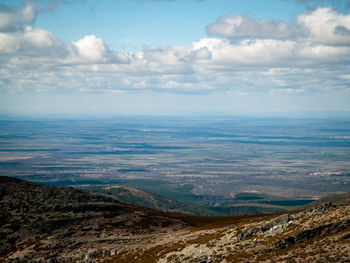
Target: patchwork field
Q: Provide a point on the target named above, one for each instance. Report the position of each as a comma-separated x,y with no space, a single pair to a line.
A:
257,164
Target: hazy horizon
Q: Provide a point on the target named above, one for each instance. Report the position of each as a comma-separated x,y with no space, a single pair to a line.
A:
336,115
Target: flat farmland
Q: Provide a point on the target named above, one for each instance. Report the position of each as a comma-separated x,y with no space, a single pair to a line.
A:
211,159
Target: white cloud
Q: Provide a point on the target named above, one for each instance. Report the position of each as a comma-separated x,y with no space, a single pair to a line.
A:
256,53
245,26
266,57
202,53
326,26
321,25
285,91
91,48
269,53
31,42
16,19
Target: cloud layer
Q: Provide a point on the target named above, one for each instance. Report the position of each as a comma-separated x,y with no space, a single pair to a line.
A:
242,56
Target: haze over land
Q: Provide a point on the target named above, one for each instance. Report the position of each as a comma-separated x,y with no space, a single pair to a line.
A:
230,166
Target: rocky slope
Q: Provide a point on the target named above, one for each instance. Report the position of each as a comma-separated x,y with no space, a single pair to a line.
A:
338,199
54,224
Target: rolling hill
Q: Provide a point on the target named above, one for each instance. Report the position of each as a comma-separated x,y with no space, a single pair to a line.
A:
58,224
132,195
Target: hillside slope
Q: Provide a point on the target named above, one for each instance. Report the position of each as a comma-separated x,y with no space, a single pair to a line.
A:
56,224
338,199
155,201
44,222
186,203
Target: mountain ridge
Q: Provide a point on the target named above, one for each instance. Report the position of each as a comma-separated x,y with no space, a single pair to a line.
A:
136,196
58,224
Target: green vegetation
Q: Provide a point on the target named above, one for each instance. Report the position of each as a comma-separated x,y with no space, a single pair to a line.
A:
249,196
180,198
287,202
247,210
152,200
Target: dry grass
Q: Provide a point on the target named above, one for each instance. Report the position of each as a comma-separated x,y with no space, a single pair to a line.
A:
207,223
147,256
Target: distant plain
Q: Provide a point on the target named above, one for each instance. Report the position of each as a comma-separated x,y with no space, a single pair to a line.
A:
222,162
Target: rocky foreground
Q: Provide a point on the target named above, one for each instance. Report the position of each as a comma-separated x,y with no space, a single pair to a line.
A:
55,224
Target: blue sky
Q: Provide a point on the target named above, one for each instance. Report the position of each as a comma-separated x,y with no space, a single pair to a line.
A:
130,24
176,57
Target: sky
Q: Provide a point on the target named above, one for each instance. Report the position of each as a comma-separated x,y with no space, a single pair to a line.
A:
174,57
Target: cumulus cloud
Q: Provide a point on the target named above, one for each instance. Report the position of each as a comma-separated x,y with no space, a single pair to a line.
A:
201,53
12,19
37,44
245,26
93,49
321,25
326,26
31,42
255,53
266,53
270,57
